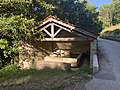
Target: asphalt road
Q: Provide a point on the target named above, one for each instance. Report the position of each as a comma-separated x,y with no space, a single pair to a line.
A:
109,76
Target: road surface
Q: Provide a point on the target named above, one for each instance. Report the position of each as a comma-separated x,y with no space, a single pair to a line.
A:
109,76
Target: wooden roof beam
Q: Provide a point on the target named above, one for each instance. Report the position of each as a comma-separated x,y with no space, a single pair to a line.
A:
62,27
57,32
85,32
64,24
64,39
48,33
45,26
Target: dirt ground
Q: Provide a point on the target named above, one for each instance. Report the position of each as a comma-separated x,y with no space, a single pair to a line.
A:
78,86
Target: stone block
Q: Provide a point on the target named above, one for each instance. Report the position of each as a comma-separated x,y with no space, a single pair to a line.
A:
95,64
72,61
46,64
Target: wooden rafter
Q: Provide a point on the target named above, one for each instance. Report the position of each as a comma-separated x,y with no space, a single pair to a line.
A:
64,24
43,23
54,21
45,26
57,32
48,33
84,32
62,27
53,33
52,30
80,35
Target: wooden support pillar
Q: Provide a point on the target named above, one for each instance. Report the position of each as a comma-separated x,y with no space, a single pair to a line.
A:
52,30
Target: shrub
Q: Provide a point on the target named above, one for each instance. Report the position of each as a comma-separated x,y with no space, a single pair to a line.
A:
9,70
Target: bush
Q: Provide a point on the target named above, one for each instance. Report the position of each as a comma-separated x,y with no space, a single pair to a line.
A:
9,70
112,35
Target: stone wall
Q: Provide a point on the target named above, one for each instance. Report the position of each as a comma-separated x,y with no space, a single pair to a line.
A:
46,64
30,52
72,61
93,56
93,51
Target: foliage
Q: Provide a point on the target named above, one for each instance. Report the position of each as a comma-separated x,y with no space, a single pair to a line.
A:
80,13
112,33
110,13
12,30
115,33
41,79
16,24
116,19
105,15
9,70
36,9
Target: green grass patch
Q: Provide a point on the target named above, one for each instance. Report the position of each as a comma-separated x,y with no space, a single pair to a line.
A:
12,77
111,33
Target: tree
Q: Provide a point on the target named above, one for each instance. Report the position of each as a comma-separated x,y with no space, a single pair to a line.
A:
16,24
116,18
105,13
79,13
12,29
110,13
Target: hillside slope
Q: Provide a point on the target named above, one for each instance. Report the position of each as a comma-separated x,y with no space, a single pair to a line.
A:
112,32
112,28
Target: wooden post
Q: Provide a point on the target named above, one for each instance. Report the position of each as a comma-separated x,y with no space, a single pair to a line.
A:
47,32
52,30
57,32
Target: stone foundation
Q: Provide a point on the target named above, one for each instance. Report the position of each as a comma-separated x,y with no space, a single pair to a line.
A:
32,54
72,61
93,57
46,64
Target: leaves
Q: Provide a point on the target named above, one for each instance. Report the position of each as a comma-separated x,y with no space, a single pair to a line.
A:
12,30
80,13
110,13
3,43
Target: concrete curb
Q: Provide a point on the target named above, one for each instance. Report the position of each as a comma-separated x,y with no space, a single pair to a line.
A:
95,64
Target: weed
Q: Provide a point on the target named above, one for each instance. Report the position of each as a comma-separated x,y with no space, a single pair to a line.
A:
56,79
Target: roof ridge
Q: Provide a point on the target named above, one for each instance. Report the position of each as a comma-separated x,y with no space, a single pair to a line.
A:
55,17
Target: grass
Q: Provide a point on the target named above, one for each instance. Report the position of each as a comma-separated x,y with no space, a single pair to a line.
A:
112,28
12,78
111,33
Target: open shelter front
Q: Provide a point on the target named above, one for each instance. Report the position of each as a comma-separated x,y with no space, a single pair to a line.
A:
64,42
